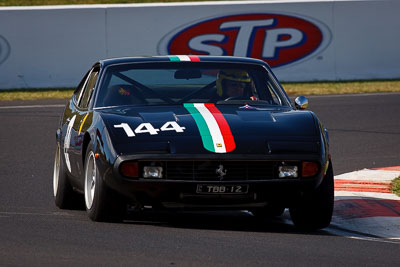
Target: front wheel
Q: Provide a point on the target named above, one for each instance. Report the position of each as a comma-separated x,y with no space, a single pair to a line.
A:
64,195
314,210
102,203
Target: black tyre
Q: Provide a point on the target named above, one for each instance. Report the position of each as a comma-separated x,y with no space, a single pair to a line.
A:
64,195
314,210
102,204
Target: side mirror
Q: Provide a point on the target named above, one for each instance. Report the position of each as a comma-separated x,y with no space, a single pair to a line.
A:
301,102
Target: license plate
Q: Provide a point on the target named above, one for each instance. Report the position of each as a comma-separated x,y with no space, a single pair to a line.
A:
221,189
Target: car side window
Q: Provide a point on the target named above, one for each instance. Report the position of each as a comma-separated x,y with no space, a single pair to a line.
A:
78,91
275,98
88,88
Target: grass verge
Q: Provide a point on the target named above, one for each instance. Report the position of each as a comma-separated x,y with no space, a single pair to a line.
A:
306,88
81,2
35,94
396,186
345,87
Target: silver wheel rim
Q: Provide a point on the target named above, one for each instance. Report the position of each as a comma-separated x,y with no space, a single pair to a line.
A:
90,180
56,171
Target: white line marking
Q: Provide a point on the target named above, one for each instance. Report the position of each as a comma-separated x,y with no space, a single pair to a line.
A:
374,239
339,231
32,106
10,213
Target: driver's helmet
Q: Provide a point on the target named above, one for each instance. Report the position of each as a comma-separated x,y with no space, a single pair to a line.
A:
233,75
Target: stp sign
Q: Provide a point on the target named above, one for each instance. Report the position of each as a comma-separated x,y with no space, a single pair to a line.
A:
275,38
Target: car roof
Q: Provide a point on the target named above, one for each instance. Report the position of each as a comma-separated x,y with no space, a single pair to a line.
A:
181,58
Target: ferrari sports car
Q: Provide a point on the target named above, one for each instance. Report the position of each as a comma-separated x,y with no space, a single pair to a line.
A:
191,133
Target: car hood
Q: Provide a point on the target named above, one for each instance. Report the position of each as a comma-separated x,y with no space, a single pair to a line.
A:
187,129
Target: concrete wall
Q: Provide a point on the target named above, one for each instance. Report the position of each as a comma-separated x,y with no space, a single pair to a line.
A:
54,46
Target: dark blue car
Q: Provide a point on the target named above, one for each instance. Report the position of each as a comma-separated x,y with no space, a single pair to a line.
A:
191,132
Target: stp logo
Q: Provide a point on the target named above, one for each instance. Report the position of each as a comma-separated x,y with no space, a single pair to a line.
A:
275,38
4,49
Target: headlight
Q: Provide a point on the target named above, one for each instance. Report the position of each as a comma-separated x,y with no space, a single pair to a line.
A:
288,171
152,172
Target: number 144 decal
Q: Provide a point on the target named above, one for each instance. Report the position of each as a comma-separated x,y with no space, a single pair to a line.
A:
147,127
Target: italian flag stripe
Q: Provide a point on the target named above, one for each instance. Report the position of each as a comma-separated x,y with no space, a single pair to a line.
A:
174,58
223,126
202,125
194,58
184,58
214,130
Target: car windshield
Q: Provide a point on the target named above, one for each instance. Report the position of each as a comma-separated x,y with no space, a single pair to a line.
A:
173,84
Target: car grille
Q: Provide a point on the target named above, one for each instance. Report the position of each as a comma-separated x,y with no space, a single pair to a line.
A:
207,170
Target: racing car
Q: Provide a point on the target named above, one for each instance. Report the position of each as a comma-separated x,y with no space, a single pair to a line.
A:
191,133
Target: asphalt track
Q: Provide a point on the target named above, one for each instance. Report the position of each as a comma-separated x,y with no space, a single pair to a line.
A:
364,132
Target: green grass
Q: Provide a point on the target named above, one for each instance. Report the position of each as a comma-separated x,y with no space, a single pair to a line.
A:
79,2
35,94
344,87
309,88
396,186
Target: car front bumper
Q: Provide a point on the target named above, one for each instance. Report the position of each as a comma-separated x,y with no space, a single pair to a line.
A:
184,194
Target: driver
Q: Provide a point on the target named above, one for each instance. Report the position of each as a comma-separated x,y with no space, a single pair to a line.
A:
234,84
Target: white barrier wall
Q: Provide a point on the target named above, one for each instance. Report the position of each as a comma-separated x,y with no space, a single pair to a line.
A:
54,46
